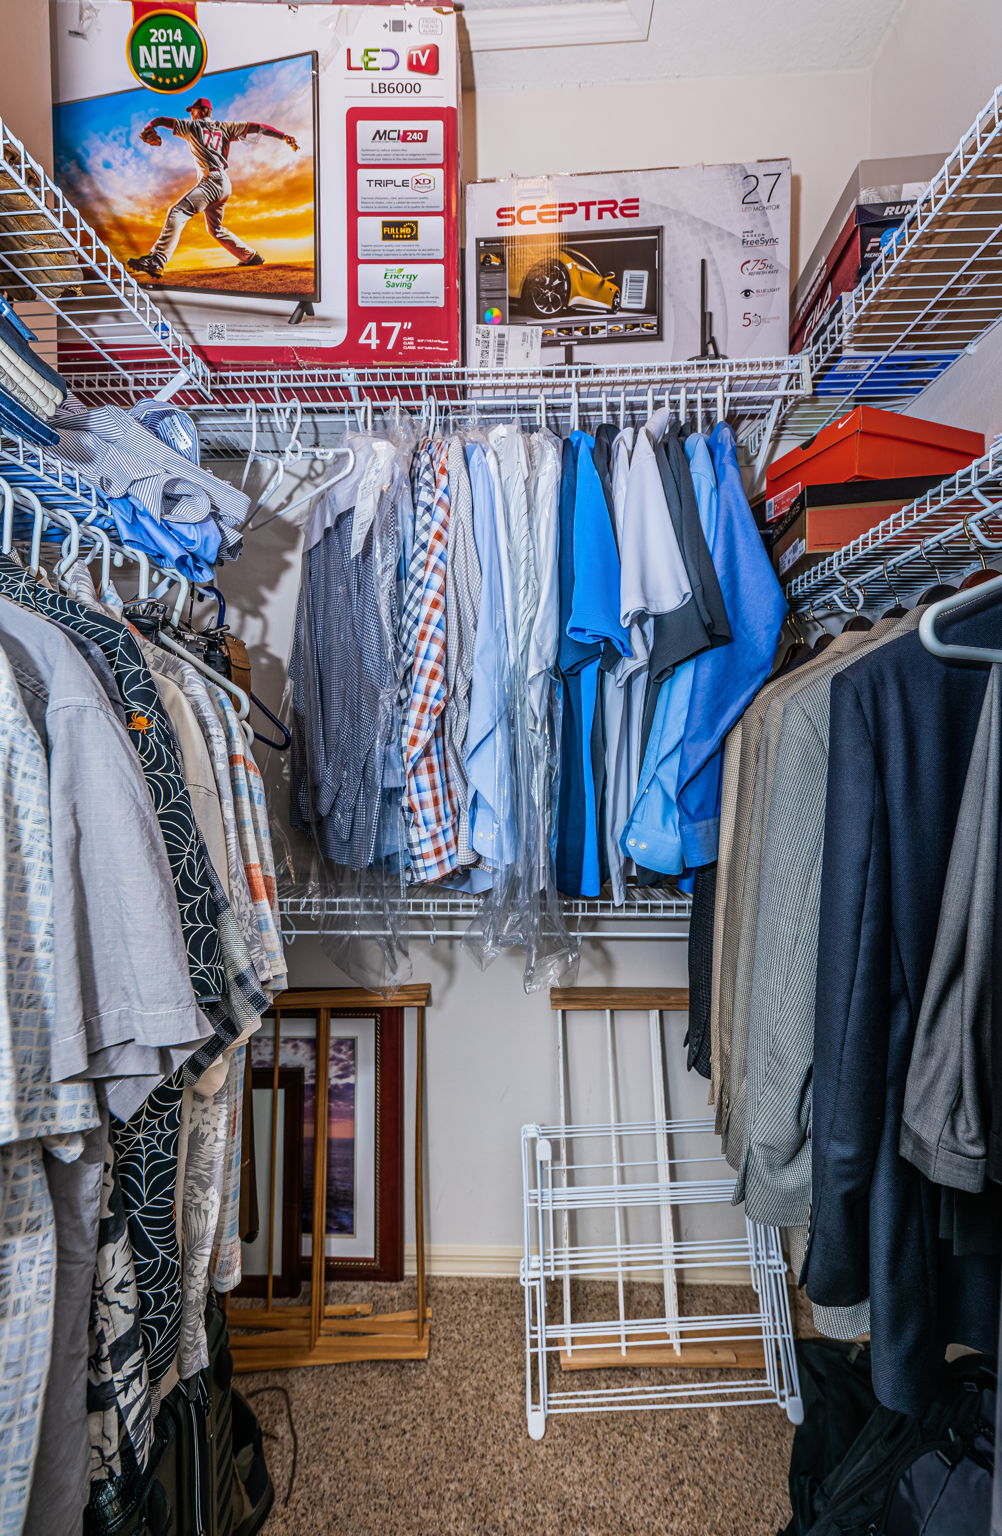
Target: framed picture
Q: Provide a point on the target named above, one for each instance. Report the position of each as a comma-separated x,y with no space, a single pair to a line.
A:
352,1062
277,1113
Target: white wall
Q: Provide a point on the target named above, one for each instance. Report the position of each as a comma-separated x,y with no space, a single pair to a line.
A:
820,121
929,82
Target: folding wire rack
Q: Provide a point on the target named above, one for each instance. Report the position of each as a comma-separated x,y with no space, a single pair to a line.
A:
946,532
931,295
434,915
100,317
611,1172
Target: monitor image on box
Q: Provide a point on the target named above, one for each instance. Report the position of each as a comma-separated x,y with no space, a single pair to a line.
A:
215,192
600,285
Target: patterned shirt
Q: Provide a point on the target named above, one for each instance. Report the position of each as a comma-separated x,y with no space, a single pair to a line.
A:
151,733
431,827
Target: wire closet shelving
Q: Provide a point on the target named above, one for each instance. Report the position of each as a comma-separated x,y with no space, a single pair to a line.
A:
647,914
97,313
951,530
930,296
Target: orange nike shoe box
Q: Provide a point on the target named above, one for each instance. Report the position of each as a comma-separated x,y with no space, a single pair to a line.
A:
873,445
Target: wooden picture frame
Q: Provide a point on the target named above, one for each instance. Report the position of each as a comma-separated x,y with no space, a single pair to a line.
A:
364,1090
286,1101
266,1336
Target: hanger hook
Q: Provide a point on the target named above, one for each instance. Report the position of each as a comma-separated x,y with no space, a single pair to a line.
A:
887,578
976,548
934,568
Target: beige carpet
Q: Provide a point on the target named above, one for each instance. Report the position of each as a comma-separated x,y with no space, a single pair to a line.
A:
441,1449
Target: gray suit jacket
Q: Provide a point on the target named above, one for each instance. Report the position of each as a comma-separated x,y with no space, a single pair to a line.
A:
774,1178
947,1110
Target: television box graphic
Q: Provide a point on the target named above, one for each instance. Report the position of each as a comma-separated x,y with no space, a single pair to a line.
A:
635,266
289,190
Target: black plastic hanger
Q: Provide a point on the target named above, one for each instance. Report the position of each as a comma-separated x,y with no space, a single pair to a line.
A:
282,745
859,620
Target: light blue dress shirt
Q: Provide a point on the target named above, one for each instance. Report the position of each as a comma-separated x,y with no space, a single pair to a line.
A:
488,735
727,678
652,836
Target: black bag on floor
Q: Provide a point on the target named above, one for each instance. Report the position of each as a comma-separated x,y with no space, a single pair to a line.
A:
838,1397
206,1474
924,1475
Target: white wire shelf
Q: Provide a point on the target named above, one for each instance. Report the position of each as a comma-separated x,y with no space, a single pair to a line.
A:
25,464
938,535
430,915
931,294
642,1260
100,316
265,404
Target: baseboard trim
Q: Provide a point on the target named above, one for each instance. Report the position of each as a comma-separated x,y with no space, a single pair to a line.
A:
501,1262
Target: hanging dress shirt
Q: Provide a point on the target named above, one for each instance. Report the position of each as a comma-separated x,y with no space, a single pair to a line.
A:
488,735
652,835
462,605
342,664
725,679
432,832
590,598
654,578
623,690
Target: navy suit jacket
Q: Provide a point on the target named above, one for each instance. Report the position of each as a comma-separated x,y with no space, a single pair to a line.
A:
902,730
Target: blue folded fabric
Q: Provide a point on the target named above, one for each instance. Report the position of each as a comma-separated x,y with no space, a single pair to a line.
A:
17,336
190,548
23,423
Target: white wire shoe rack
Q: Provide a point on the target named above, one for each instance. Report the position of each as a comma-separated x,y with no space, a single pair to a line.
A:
607,1203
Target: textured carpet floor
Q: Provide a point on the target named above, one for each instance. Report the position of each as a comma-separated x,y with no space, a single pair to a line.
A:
441,1449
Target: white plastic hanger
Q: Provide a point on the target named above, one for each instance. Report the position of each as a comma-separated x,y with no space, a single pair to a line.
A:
8,517
325,485
941,648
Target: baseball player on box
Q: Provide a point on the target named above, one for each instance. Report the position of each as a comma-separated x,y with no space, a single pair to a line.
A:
209,141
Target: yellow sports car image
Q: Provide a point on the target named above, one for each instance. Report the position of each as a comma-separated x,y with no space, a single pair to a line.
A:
563,280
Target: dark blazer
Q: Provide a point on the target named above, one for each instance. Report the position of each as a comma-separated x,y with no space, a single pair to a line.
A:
902,728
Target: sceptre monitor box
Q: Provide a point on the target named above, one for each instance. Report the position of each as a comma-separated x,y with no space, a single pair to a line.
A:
283,180
630,266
